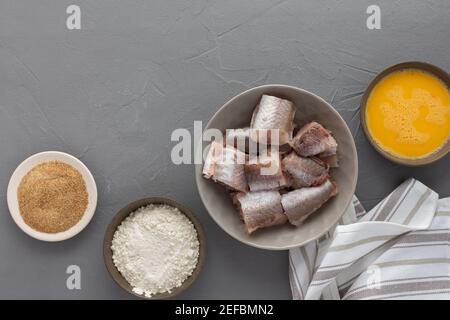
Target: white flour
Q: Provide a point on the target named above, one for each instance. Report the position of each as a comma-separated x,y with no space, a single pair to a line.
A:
155,249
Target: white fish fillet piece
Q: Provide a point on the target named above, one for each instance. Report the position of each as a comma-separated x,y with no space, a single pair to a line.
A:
265,173
273,113
305,172
300,203
215,149
313,139
225,165
260,209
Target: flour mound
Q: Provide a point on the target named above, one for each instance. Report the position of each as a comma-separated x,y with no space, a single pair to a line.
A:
156,249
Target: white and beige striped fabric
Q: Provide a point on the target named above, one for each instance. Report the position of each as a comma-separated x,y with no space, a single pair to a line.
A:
398,250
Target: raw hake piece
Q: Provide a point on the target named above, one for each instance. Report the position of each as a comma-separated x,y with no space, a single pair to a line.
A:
215,149
240,139
264,173
260,209
225,165
332,161
230,171
314,139
300,203
273,113
305,172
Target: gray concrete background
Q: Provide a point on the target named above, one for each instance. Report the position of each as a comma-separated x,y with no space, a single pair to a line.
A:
112,93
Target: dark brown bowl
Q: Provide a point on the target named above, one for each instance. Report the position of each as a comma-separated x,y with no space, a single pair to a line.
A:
437,72
125,212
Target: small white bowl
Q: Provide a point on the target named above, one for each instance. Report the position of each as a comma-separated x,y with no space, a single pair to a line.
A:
29,164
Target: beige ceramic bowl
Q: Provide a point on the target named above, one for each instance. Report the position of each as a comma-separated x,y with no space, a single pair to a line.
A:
124,213
237,113
437,72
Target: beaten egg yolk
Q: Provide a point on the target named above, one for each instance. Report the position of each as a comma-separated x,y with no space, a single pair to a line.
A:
408,113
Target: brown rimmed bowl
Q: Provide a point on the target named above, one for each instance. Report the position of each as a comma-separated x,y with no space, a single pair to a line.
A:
426,67
123,214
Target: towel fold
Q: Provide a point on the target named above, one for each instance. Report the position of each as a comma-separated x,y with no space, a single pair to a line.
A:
398,250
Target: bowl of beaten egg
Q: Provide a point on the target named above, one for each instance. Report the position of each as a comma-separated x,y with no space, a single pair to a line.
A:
405,113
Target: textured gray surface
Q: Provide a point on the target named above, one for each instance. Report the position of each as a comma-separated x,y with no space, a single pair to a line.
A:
112,93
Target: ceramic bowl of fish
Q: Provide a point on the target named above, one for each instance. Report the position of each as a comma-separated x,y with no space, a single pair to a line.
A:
309,108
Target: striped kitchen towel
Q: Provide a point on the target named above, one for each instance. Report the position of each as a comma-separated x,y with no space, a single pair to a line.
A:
398,250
